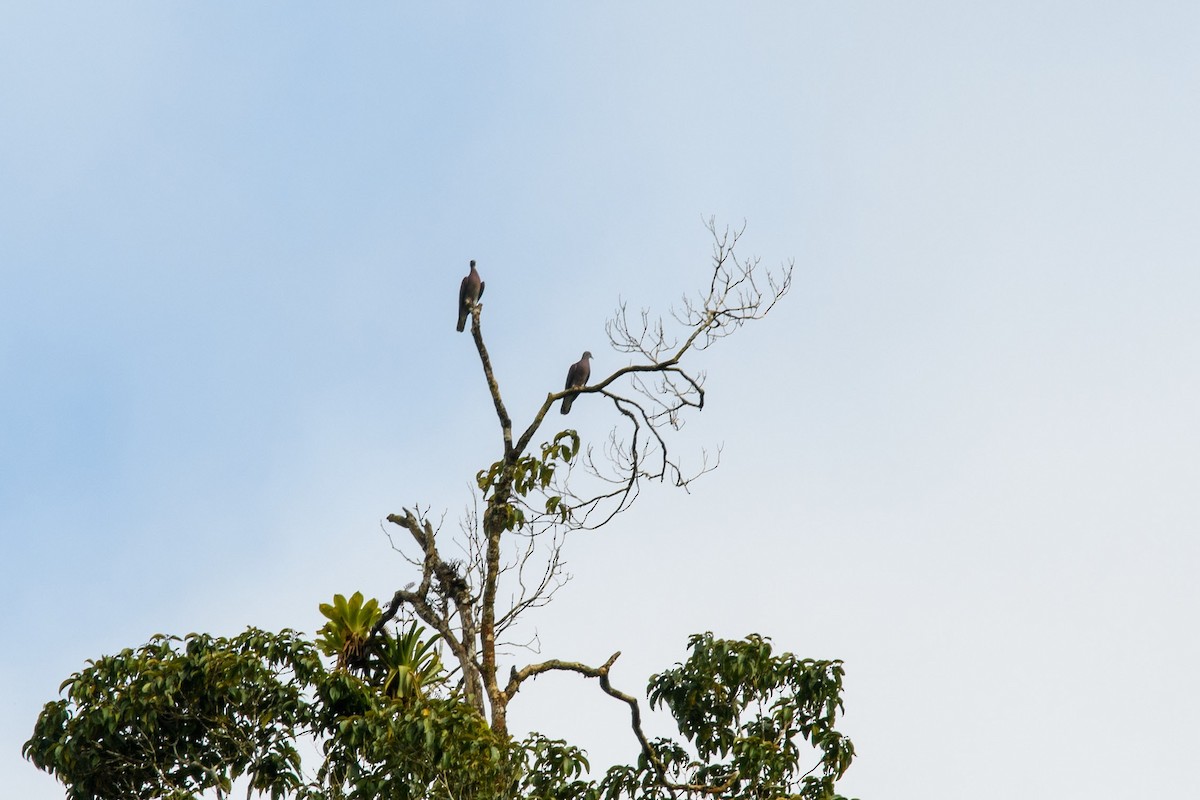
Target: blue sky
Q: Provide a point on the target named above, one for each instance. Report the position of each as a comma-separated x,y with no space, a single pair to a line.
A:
961,455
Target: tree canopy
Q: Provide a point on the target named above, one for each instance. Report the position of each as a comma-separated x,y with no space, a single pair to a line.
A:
369,708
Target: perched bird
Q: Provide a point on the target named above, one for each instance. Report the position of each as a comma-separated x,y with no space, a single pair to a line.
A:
577,378
468,295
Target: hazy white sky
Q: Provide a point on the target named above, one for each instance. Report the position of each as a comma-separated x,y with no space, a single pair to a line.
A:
961,456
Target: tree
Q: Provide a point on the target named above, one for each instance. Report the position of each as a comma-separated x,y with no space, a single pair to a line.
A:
179,717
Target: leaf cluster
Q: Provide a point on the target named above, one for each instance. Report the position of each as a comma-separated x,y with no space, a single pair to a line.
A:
177,717
529,473
180,717
745,711
402,666
348,630
435,748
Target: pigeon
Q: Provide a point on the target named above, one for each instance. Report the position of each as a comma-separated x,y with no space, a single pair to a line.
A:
577,378
468,295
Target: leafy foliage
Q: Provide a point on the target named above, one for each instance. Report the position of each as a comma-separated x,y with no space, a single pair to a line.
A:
174,722
529,473
409,664
438,748
553,770
346,633
401,666
745,710
179,716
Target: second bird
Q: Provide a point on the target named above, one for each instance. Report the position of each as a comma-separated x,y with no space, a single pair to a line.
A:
577,378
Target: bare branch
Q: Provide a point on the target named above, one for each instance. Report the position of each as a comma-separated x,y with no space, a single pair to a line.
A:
517,677
444,581
493,384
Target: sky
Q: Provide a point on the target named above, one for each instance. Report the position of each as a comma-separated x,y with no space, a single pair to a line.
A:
960,455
